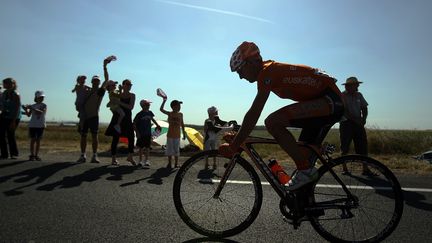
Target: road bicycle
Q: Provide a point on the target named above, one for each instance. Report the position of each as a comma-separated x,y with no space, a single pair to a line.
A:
223,198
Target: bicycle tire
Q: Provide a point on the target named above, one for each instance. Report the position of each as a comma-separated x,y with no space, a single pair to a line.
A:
239,202
380,201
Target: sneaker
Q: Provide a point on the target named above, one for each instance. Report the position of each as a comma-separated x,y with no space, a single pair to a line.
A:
37,158
95,160
31,158
117,128
82,159
147,163
301,178
142,163
132,161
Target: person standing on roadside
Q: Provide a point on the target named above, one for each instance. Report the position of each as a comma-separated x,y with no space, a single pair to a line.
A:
36,124
175,123
212,126
142,125
89,118
127,103
351,127
9,119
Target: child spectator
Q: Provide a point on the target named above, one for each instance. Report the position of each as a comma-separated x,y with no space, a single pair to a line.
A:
81,91
36,124
114,103
212,126
142,126
175,121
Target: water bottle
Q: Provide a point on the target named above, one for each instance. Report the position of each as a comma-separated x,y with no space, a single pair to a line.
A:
279,172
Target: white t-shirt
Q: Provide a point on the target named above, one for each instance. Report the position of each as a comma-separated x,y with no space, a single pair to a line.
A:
37,119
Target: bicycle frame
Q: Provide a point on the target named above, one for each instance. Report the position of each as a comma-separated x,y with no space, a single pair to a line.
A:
247,147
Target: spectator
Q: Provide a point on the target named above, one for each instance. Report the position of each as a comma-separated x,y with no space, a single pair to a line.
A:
212,126
81,91
113,104
127,102
36,124
142,126
89,117
351,127
175,121
9,118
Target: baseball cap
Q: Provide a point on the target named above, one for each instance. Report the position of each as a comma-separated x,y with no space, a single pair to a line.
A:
175,102
39,93
81,77
96,77
110,82
144,102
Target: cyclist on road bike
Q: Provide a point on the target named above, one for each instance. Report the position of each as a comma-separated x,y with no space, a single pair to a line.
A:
319,105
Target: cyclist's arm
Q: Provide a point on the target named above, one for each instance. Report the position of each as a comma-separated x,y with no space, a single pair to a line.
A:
251,118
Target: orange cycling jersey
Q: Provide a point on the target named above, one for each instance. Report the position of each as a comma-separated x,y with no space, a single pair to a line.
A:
295,82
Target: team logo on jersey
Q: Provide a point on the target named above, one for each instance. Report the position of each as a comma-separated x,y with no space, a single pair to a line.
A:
309,81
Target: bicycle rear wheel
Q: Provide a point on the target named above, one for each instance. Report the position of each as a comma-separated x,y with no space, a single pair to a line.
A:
372,215
233,211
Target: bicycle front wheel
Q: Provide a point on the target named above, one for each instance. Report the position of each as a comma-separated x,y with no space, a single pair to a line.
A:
230,213
373,211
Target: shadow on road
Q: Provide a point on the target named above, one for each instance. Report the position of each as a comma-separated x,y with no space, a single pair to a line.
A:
155,178
12,163
206,239
90,176
40,174
413,199
417,200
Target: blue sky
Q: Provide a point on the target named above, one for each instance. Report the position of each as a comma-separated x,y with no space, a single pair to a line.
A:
184,48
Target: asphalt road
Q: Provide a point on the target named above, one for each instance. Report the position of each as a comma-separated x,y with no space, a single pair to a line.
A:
57,200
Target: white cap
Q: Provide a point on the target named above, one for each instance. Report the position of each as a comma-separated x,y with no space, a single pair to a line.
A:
212,110
144,102
110,82
39,93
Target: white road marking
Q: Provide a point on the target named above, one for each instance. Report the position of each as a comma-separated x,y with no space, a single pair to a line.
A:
326,185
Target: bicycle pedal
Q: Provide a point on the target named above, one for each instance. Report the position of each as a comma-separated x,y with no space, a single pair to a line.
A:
295,222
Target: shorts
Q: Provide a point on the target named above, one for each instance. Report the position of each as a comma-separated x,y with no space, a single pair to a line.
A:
172,147
144,141
36,132
210,144
316,128
91,124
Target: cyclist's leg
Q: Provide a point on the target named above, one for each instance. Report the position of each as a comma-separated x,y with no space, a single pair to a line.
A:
296,115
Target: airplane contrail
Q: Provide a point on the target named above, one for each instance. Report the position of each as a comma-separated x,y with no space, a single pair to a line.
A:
217,11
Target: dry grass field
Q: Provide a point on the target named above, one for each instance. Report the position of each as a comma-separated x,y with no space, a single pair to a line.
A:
395,148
